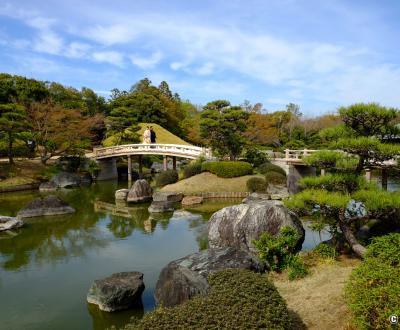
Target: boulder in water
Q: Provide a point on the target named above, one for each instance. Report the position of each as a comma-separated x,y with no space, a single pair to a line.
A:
8,223
66,180
192,200
117,292
161,207
167,196
49,205
140,192
121,194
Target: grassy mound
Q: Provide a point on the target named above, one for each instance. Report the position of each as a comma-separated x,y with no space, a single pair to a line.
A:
228,169
238,299
208,182
163,136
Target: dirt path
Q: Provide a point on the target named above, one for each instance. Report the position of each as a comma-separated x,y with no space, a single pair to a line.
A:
317,300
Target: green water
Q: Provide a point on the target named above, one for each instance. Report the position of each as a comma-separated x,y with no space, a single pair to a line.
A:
46,267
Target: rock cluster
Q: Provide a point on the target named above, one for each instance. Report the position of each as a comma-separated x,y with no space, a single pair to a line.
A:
164,201
117,292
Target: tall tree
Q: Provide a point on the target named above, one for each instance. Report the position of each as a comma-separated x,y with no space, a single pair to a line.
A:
222,126
13,121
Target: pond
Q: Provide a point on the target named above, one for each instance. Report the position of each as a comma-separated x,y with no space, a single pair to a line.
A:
47,267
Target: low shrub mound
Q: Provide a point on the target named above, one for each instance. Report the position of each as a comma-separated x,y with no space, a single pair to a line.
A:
373,290
166,177
257,185
238,299
268,167
228,169
275,178
192,169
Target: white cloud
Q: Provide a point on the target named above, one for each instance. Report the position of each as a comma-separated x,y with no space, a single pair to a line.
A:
77,50
146,62
206,69
113,34
111,57
48,42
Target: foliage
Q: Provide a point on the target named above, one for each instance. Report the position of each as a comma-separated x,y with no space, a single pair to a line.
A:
166,177
277,251
93,168
256,184
296,268
275,178
122,123
227,169
192,169
222,126
269,167
238,299
373,289
255,157
323,158
325,251
342,182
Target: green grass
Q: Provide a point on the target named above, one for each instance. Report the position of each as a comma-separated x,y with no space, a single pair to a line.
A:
163,136
208,182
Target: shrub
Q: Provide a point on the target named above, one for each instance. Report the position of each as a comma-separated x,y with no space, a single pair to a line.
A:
228,169
344,182
256,185
268,167
255,157
277,251
296,268
275,178
166,177
373,290
238,299
325,251
192,169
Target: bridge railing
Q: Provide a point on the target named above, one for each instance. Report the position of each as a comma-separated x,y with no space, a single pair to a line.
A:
298,154
155,148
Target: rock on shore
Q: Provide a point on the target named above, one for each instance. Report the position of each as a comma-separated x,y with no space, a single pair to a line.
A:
8,223
117,292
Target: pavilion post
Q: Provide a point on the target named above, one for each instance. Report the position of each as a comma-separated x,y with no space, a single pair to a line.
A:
129,171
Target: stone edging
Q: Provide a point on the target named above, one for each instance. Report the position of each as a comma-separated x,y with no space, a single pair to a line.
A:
228,194
21,187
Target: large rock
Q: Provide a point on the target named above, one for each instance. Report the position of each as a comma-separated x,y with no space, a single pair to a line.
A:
8,223
161,207
49,205
48,187
183,278
278,192
117,292
192,200
167,196
140,192
121,194
239,225
256,198
66,180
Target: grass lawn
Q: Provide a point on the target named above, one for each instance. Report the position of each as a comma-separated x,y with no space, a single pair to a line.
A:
208,182
318,298
163,136
23,172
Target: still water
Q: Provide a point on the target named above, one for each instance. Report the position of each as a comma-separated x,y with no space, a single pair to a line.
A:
47,267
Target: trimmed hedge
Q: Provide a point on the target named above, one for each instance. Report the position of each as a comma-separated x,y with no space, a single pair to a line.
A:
166,177
275,178
268,167
238,299
192,169
373,290
227,169
257,185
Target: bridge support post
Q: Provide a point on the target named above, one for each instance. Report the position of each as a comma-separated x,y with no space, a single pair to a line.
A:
368,175
384,178
174,163
108,169
165,163
129,171
322,172
140,161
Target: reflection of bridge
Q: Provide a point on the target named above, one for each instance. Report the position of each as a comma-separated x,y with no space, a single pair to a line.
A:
106,157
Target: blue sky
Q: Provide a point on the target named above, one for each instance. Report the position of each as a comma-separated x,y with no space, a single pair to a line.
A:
318,54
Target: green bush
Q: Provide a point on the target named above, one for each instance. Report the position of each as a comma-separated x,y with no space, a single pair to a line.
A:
344,182
277,251
166,177
296,268
256,185
373,290
268,167
238,299
275,178
192,169
227,169
255,157
325,251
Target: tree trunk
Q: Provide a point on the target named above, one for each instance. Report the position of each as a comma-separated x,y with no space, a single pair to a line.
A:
350,237
360,165
10,150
